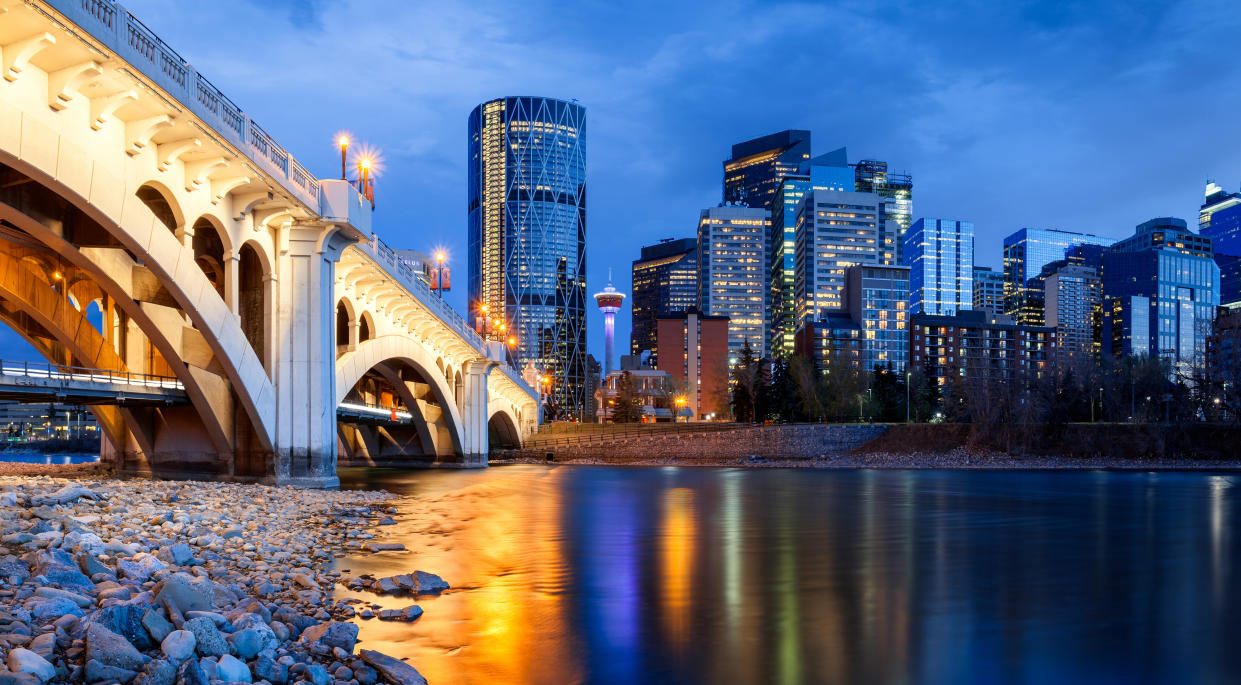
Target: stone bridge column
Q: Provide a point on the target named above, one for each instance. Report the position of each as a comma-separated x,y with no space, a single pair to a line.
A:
305,382
474,414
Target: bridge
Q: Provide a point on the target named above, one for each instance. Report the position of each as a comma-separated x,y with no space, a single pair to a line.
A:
286,337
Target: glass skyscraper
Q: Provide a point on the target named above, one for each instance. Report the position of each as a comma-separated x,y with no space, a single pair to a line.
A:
940,257
1160,292
527,233
752,175
1026,252
782,316
1220,218
732,246
871,176
665,282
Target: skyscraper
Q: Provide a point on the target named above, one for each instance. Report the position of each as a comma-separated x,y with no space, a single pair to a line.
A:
665,282
872,332
1160,292
1217,200
753,173
871,176
1072,296
988,290
1220,218
940,257
835,228
527,233
781,247
1027,251
732,282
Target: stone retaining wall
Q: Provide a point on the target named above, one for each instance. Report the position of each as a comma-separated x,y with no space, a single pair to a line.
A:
768,442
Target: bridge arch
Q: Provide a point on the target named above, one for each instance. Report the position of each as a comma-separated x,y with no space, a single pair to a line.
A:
395,351
211,247
254,302
502,430
163,204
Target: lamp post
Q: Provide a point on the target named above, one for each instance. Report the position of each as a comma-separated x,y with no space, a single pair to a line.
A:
344,145
439,273
680,402
908,378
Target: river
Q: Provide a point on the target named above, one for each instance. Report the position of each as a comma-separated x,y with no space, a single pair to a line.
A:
682,575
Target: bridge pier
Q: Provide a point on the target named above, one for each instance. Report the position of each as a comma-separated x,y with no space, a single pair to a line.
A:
476,446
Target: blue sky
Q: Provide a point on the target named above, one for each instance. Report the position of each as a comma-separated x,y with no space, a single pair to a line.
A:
1089,116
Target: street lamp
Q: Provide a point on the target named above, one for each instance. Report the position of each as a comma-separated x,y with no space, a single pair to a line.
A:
439,273
908,377
680,402
343,141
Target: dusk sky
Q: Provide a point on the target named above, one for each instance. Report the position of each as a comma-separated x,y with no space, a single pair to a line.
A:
1090,116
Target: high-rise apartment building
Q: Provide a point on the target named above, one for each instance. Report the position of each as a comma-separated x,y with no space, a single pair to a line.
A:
835,229
694,350
1026,252
988,291
732,249
872,176
940,257
752,175
1160,293
971,346
872,331
1072,297
665,282
527,234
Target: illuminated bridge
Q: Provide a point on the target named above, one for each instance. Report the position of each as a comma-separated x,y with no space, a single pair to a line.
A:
149,229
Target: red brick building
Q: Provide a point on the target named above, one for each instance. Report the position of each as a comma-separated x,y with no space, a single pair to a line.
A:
693,349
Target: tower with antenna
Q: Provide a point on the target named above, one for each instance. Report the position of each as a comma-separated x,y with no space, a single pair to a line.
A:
610,302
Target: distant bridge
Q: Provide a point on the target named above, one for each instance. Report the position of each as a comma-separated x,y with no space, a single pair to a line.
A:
133,192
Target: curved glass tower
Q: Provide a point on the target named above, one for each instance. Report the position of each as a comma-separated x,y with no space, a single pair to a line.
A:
527,223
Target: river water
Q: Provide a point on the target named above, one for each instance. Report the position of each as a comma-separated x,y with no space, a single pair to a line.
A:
687,575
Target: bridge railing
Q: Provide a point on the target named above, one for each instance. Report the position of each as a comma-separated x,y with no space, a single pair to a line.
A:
111,24
387,258
41,371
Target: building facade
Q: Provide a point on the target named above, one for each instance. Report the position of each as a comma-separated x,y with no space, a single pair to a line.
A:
1220,219
527,234
694,350
651,390
1026,252
1072,298
940,257
1160,293
988,290
872,332
872,176
1224,351
835,230
752,175
781,249
969,345
732,273
665,282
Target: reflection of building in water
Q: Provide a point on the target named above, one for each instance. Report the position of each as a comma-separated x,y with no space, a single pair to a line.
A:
678,528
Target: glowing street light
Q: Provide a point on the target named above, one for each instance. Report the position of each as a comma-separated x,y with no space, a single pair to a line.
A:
439,273
343,142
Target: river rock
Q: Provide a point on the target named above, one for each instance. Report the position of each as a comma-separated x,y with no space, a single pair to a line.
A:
186,593
97,671
43,645
191,673
110,649
91,565
49,607
409,613
84,542
271,670
25,661
65,495
179,554
80,600
157,626
230,669
178,646
158,672
209,640
14,570
58,567
126,620
383,547
429,583
334,634
394,670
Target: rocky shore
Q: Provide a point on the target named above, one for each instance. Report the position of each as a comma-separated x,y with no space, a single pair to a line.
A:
188,583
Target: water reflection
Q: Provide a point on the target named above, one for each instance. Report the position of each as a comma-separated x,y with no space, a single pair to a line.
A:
48,459
719,575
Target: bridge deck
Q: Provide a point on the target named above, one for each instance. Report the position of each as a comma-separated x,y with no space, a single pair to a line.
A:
39,382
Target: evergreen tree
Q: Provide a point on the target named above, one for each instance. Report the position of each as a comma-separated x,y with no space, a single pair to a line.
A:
628,407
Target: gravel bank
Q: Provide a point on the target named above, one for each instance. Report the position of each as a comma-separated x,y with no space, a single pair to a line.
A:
959,458
166,583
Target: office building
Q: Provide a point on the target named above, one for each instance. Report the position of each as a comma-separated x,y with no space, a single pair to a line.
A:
988,290
694,350
872,331
872,176
781,248
1224,350
940,257
1217,200
665,282
1220,219
1026,252
1229,278
752,175
527,234
1160,293
968,345
835,229
732,248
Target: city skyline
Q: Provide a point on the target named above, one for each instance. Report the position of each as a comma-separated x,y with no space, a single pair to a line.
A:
988,130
